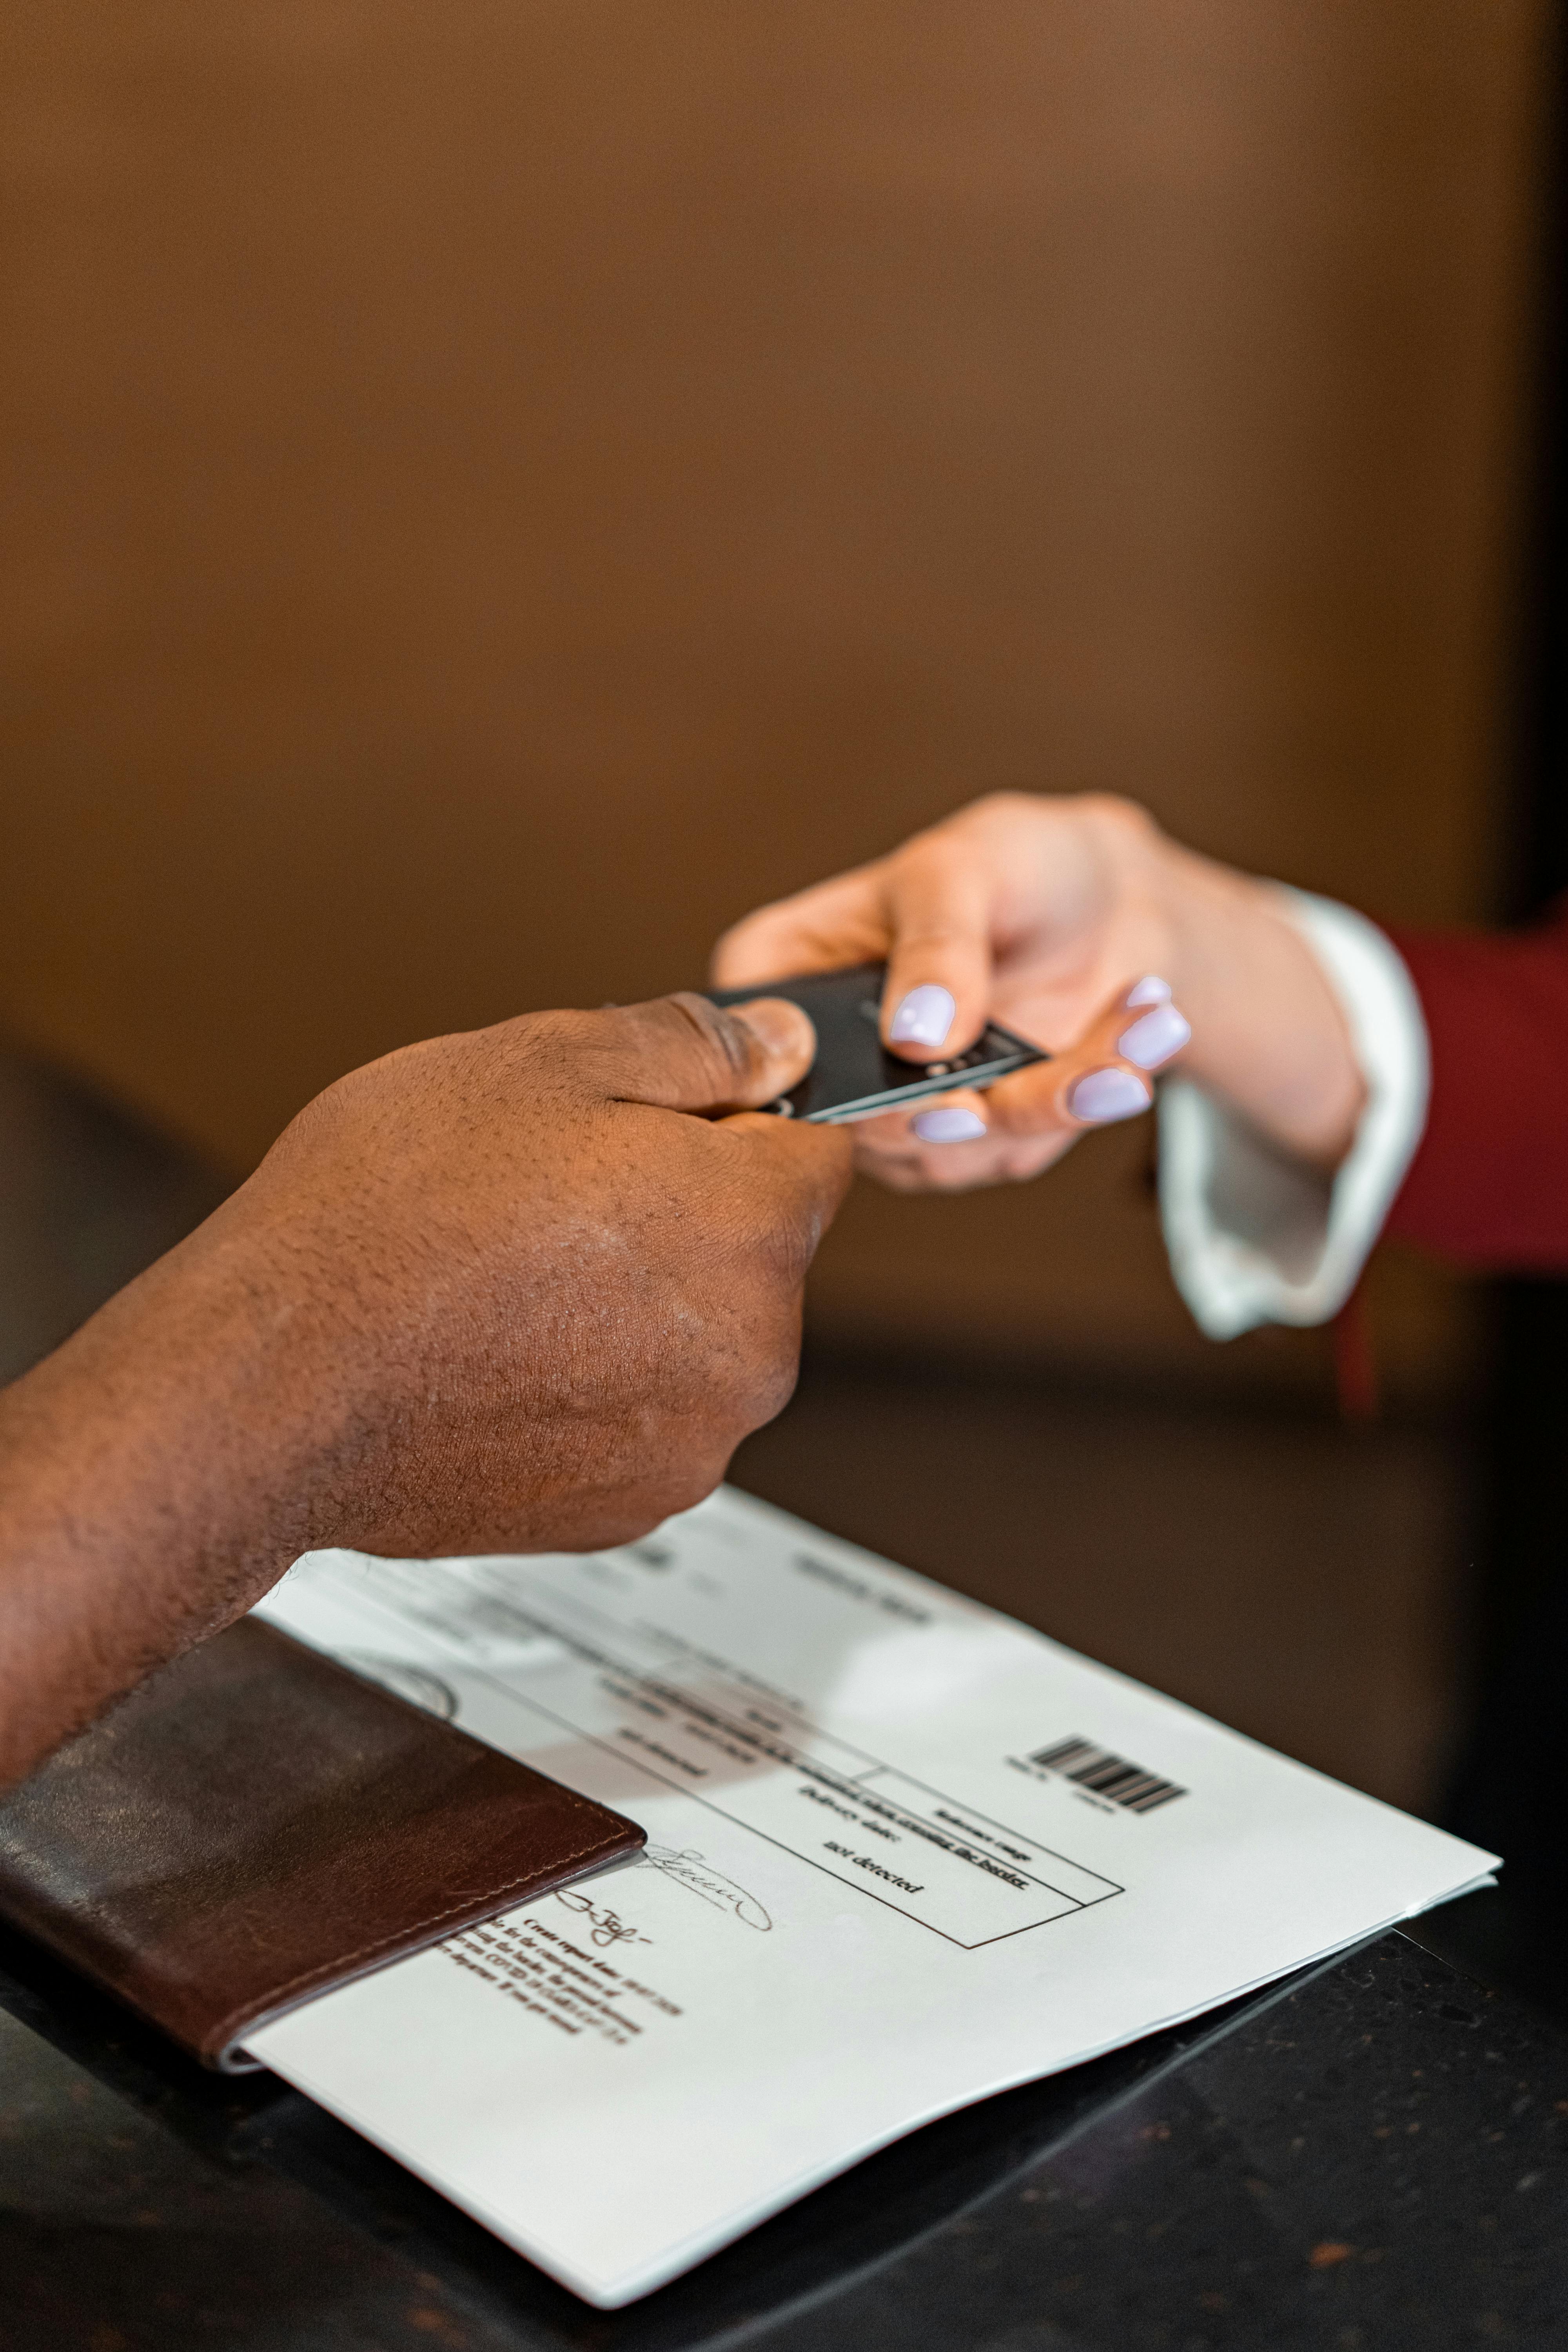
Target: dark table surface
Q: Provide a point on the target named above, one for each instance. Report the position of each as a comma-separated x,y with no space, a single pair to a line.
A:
1374,2155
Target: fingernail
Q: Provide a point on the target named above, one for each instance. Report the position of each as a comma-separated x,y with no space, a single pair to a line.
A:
923,1018
1149,990
953,1125
1106,1094
1156,1038
777,1026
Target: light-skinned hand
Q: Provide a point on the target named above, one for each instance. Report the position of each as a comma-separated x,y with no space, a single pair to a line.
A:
1075,921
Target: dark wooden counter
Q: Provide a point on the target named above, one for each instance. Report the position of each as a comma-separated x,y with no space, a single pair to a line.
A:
1375,2157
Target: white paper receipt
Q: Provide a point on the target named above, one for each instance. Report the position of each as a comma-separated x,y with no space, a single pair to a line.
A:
902,1853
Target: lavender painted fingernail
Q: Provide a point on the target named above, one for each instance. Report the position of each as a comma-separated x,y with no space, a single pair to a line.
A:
1156,1038
1150,989
1106,1094
923,1018
953,1125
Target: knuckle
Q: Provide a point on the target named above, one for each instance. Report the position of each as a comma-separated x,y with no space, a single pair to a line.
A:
1024,1107
562,1033
775,1371
749,1382
646,1504
923,858
767,1393
572,1053
694,1479
1031,1121
935,931
1118,817
1005,807
777,1254
727,1045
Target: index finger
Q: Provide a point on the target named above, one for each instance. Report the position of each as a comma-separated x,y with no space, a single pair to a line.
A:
806,1168
937,898
821,929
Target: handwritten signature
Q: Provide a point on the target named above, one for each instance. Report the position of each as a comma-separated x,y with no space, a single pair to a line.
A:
606,1926
694,1872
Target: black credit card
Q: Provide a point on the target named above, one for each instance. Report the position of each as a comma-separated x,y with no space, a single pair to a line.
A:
854,1075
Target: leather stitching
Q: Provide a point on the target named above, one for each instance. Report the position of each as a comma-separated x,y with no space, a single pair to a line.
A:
326,1969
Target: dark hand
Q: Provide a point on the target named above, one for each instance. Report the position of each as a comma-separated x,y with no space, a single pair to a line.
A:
519,1289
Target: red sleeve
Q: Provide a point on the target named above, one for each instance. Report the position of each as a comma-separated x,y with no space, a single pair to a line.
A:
1489,1181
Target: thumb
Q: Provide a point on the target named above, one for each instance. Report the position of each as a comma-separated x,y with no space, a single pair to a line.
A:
685,1053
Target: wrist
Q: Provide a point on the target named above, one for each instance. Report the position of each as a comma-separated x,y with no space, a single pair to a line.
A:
1269,1036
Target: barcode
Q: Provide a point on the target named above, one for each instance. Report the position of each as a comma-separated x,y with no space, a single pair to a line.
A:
1105,1775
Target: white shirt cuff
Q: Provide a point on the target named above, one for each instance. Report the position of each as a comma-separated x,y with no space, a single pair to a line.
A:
1256,1238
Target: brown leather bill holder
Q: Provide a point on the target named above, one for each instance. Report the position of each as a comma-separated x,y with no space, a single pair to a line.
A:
256,1825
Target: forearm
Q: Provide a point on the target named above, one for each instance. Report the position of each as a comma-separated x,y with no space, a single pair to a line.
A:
154,1480
1268,1036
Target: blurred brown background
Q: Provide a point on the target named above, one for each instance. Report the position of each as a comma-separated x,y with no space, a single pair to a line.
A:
498,491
